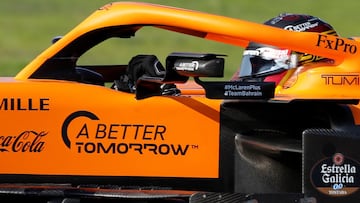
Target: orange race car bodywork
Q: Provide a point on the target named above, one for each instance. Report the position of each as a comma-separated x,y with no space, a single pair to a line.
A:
60,126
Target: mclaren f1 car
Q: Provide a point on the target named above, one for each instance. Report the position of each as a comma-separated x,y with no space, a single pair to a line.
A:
80,133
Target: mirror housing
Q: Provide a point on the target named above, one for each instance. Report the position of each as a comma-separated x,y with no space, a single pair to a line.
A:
196,64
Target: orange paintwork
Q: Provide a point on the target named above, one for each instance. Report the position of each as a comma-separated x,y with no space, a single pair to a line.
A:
158,136
34,141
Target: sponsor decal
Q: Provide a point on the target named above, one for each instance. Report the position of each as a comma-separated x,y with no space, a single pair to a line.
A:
187,66
341,79
338,44
269,53
301,27
336,176
90,135
27,141
21,104
243,90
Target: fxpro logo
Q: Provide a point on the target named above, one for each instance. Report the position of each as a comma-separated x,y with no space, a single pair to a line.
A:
337,44
92,136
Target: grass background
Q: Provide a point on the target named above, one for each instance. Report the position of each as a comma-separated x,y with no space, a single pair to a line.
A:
27,26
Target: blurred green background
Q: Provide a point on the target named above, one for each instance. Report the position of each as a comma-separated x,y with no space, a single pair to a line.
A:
27,26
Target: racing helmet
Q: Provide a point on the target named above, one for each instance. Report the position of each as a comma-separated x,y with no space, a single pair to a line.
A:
262,62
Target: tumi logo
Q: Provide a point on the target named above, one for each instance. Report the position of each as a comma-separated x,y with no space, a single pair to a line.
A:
341,79
338,44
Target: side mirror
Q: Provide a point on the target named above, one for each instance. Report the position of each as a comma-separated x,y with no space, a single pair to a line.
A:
179,67
196,64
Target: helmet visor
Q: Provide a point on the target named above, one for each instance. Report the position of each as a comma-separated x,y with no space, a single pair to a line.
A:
265,61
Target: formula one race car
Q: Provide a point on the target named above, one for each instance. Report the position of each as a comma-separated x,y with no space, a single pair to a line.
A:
104,133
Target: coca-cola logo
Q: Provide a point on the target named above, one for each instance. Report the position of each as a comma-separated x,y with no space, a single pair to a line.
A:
27,141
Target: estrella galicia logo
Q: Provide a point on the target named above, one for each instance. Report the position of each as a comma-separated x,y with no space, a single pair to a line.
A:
70,118
336,176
